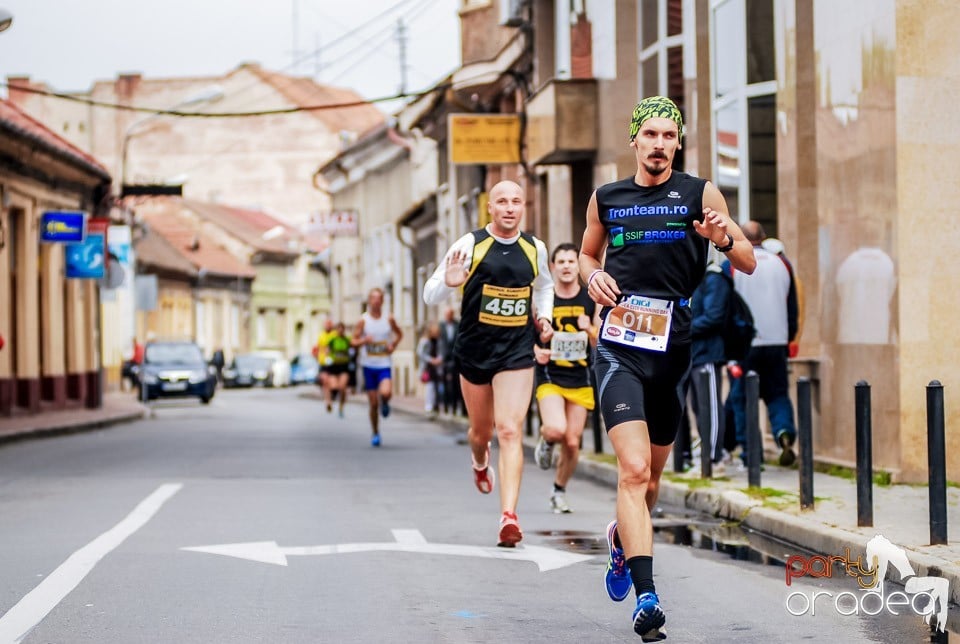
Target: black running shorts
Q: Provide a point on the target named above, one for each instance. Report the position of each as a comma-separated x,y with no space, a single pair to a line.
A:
634,384
481,376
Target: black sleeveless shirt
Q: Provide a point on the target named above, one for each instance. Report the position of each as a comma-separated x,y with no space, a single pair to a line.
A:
652,248
566,312
495,324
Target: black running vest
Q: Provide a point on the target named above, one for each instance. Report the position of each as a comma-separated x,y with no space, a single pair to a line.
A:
495,323
563,373
652,248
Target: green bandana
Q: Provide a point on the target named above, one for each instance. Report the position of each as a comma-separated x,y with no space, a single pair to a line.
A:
655,107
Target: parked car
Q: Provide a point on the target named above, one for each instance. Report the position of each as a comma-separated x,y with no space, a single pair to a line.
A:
247,370
279,368
175,370
304,368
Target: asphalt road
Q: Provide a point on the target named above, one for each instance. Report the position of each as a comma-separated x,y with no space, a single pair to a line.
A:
130,534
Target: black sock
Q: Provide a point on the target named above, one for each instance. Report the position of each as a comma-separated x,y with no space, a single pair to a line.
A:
641,572
559,489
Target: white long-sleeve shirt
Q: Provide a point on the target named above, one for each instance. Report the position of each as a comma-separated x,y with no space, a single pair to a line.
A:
435,291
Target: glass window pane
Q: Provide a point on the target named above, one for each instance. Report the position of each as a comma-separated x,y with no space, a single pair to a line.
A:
728,46
728,156
761,58
649,10
675,92
650,83
761,120
674,17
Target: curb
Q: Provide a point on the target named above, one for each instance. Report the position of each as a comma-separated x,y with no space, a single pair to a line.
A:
782,530
71,428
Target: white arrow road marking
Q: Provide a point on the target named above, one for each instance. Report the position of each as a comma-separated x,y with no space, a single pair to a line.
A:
406,541
17,623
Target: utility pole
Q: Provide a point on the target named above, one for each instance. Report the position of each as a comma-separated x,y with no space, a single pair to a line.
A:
295,26
402,39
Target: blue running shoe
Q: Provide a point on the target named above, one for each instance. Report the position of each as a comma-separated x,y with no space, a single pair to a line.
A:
375,440
385,408
617,578
648,618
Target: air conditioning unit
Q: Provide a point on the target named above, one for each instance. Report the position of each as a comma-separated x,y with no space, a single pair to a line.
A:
511,12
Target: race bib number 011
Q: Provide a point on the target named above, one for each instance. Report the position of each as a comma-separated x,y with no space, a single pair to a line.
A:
502,306
568,346
641,322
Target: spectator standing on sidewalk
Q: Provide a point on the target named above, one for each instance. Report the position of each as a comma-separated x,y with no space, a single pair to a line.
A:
776,247
564,384
431,368
506,282
452,396
773,303
644,252
709,307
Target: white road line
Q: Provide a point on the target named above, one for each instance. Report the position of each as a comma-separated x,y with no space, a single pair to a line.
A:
17,623
409,537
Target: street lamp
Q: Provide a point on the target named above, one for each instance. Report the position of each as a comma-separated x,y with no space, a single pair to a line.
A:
6,19
207,95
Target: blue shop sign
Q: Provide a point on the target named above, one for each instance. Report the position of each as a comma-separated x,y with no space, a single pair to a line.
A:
63,226
88,258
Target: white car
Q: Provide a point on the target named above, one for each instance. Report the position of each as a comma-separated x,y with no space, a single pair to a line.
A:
279,368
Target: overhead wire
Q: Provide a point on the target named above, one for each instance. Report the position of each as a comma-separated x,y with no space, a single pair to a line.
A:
285,110
326,46
414,14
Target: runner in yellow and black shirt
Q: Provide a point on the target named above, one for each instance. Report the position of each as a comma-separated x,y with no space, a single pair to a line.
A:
564,388
506,282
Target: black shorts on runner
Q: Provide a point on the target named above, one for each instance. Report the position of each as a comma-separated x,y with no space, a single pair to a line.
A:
634,384
336,369
480,376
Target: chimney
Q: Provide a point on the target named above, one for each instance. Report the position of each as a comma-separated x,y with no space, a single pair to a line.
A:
15,86
127,85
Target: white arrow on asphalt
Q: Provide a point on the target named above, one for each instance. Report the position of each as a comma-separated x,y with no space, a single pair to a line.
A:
406,541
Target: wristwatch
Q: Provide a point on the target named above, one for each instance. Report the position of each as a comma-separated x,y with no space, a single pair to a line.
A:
728,247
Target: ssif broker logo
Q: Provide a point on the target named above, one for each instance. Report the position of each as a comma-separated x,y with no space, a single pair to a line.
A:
620,237
923,596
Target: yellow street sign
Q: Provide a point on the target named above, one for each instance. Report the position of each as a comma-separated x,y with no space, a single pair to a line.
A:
484,138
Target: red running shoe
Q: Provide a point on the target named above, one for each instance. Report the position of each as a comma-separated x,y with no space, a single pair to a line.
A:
483,477
510,533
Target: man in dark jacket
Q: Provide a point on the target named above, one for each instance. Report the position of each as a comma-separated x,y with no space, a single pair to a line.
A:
709,308
452,396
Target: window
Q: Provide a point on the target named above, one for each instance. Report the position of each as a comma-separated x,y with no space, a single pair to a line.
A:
235,325
744,109
661,54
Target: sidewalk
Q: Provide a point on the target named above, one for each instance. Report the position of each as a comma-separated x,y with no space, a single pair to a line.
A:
900,512
118,407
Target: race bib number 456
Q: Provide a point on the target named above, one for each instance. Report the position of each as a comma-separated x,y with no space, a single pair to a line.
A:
502,306
641,322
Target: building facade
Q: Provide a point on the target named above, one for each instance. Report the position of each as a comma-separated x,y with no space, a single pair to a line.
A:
270,171
50,324
803,114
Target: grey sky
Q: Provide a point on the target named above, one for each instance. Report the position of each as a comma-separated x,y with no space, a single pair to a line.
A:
71,43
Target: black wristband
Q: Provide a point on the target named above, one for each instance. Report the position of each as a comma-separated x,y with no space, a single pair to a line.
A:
728,247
